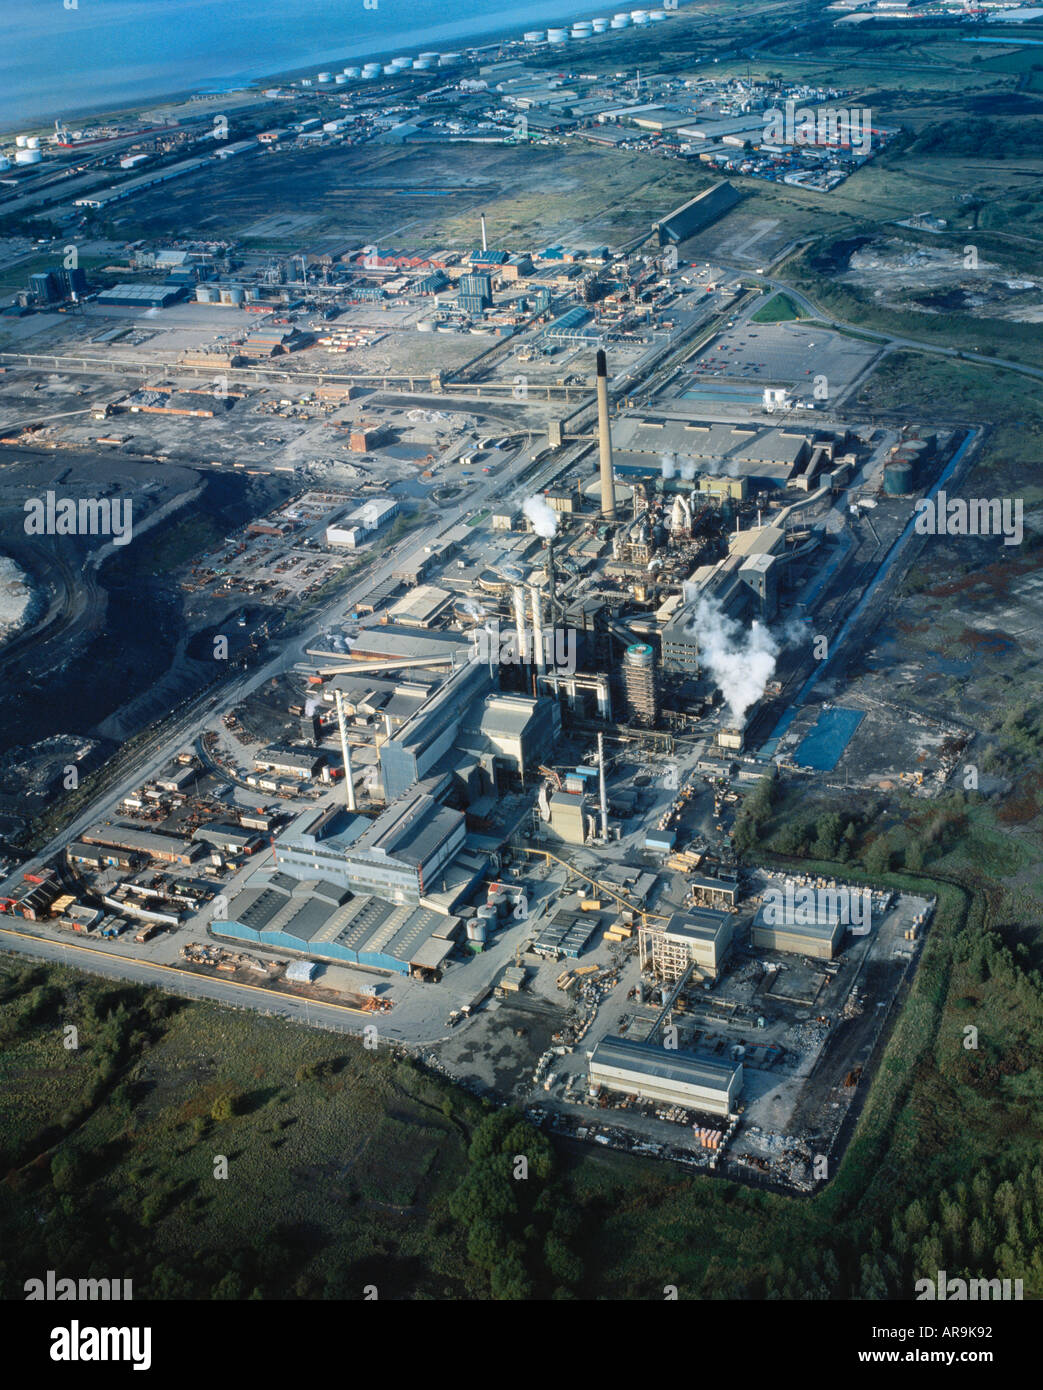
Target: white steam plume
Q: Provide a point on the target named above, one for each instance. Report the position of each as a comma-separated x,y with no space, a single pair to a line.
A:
543,518
741,662
688,469
667,465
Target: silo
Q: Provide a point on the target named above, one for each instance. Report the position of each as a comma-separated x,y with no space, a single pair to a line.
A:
898,478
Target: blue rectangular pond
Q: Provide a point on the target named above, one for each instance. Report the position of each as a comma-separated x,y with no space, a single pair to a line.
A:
823,745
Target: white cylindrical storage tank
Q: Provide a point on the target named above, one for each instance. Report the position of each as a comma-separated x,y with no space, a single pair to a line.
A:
557,36
390,70
28,156
340,79
582,29
20,141
206,294
599,25
448,60
422,65
32,142
476,930
425,326
324,77
639,16
657,16
431,57
253,295
352,72
534,35
406,62
232,294
620,21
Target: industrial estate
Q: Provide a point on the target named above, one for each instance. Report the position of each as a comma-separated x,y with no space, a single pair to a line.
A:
499,572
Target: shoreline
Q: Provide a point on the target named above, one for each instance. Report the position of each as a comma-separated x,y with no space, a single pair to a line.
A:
475,34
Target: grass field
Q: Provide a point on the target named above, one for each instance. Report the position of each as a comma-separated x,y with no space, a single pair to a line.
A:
779,309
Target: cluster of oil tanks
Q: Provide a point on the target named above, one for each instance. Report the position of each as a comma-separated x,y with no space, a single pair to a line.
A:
366,72
586,28
903,472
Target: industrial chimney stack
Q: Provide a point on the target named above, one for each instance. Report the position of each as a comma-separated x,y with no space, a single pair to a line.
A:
608,483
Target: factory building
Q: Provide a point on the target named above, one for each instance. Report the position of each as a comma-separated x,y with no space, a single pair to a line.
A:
363,523
421,606
141,296
674,1078
697,213
327,922
232,839
398,857
129,839
303,764
819,939
432,730
699,938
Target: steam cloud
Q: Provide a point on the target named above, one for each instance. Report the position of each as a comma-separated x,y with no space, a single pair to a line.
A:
544,521
667,463
741,662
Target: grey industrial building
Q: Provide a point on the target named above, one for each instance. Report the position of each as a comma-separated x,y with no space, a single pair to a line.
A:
697,213
401,856
698,939
658,1074
326,921
819,939
130,839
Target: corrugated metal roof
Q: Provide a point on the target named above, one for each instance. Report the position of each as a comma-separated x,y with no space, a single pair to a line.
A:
646,1059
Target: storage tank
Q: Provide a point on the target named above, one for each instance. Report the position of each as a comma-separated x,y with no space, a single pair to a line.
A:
207,294
431,57
476,931
422,64
340,79
352,72
534,35
253,295
232,294
32,142
28,156
657,16
620,21
4,163
324,77
899,478
639,16
600,26
448,60
582,29
20,141
557,36
390,70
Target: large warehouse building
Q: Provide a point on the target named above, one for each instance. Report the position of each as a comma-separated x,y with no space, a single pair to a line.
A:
327,922
699,938
697,213
820,939
675,1078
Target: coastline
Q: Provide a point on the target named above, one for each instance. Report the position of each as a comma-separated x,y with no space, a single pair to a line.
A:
485,31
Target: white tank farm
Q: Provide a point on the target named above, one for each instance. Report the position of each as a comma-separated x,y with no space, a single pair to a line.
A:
28,156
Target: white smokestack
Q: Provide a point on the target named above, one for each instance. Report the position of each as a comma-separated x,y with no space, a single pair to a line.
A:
485,244
601,787
518,594
537,630
349,783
